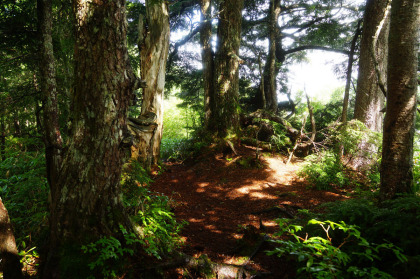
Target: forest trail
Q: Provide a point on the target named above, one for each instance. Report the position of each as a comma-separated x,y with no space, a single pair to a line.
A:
220,197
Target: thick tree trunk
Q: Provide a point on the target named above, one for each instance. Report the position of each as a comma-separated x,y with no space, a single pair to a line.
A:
271,69
397,154
207,57
88,203
10,260
52,137
369,96
227,66
154,47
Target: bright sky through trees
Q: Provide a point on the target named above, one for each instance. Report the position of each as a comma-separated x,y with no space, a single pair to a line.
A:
316,76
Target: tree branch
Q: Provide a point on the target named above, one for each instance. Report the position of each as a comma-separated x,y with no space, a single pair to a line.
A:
182,42
313,47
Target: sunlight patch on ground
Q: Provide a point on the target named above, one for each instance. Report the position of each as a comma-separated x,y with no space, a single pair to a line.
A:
194,220
284,174
203,184
253,191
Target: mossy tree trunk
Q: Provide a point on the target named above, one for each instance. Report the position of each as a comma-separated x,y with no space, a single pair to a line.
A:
52,135
88,203
154,46
207,55
227,66
271,68
397,149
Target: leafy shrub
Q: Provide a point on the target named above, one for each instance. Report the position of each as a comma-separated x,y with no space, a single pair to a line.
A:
108,253
279,140
174,149
348,255
327,168
151,211
350,136
324,170
24,190
395,221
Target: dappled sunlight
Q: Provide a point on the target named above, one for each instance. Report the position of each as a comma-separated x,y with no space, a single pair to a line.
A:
219,198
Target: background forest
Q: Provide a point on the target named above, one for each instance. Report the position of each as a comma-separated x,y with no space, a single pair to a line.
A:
104,102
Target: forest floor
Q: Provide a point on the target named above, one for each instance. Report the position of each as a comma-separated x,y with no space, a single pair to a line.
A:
225,200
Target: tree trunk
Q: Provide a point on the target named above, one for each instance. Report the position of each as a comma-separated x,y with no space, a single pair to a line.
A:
271,69
348,75
227,66
52,137
154,46
10,260
397,154
207,57
88,204
369,97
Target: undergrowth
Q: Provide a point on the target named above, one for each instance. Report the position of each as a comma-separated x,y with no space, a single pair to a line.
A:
326,249
361,238
328,168
24,191
157,230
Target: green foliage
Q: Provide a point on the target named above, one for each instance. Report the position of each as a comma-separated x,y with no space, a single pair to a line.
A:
24,188
279,140
416,169
108,253
348,255
324,170
349,137
152,212
395,221
179,122
327,169
156,227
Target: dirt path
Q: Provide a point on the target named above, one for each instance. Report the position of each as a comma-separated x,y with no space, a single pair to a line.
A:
219,196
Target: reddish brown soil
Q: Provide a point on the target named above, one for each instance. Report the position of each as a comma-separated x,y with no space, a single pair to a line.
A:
218,196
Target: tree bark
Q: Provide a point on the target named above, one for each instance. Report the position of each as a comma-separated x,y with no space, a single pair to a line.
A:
207,57
397,154
271,69
10,260
52,137
227,66
154,46
88,204
369,98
